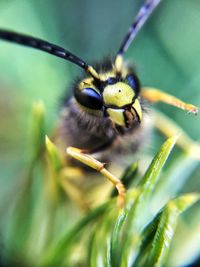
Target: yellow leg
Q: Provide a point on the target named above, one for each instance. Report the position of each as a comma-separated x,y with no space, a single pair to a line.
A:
154,95
66,176
97,165
169,128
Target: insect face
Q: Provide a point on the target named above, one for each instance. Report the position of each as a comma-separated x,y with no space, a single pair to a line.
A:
114,95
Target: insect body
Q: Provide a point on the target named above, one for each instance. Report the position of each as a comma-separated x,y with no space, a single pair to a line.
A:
106,113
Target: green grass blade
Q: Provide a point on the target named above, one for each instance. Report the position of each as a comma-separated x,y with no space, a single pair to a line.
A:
53,154
114,248
146,239
38,129
56,253
128,177
166,228
53,168
101,246
151,176
138,215
150,180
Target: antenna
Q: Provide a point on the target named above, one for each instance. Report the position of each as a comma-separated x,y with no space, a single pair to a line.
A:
47,47
143,14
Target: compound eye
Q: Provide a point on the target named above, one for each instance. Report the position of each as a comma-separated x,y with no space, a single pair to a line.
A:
89,98
133,82
111,81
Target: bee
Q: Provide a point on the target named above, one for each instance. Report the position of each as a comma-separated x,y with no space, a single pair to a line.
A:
107,114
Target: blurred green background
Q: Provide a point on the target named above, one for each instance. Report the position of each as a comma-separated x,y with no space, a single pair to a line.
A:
166,54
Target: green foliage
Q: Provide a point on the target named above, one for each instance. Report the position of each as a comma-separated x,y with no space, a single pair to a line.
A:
44,230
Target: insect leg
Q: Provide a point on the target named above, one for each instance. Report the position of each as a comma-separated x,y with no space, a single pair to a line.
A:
66,175
97,165
154,95
169,128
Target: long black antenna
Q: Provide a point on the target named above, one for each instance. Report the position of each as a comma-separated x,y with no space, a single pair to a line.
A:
143,14
47,47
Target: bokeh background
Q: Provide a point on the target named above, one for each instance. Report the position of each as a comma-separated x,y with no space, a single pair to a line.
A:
166,54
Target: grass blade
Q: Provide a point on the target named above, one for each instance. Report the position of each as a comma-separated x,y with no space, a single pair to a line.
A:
138,215
166,228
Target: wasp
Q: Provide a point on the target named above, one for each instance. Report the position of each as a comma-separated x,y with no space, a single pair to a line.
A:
107,113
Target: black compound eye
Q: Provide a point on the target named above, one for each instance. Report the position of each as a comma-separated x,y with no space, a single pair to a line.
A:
89,98
111,80
133,82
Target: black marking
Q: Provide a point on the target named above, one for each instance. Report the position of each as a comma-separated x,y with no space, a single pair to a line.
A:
105,113
135,113
126,119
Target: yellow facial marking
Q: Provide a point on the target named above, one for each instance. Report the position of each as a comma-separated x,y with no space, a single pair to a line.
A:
116,116
87,82
118,94
136,105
